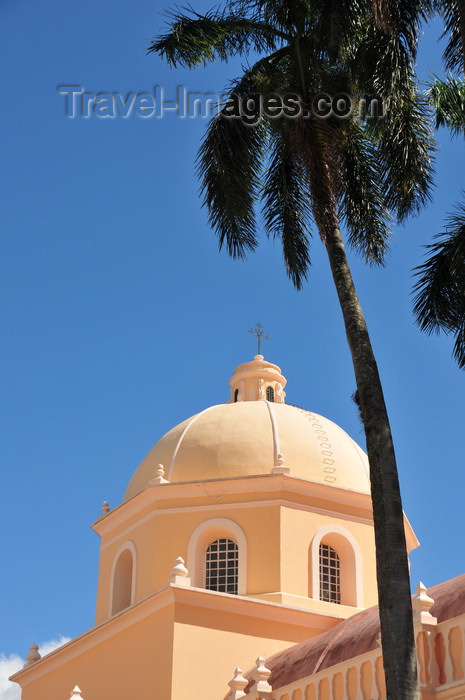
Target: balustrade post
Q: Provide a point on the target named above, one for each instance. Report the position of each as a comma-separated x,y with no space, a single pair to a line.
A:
374,685
448,667
462,632
237,685
425,623
261,689
360,687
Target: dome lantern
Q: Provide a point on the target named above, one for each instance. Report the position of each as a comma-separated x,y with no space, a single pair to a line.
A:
257,380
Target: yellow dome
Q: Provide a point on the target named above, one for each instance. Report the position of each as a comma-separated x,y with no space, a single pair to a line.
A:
253,437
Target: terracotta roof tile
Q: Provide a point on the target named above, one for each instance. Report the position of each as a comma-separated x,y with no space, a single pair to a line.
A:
354,636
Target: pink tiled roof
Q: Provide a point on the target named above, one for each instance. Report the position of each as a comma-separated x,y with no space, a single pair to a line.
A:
355,635
449,598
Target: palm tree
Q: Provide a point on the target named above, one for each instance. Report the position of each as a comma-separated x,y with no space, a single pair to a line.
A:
440,292
439,302
321,165
453,14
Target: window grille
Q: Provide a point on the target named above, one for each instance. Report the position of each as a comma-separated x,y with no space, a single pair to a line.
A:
222,566
269,393
330,574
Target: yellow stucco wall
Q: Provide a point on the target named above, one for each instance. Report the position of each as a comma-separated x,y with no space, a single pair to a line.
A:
135,663
279,528
298,528
224,649
176,644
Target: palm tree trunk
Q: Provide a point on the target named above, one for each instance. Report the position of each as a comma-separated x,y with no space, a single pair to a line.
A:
392,570
395,605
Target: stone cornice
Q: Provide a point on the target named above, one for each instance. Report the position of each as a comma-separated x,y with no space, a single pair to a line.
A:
173,595
235,490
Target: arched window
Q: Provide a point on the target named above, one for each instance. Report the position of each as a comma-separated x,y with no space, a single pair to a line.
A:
236,394
123,579
335,567
206,534
222,566
330,574
269,393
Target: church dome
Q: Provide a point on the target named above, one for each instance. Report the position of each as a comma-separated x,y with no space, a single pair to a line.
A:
253,435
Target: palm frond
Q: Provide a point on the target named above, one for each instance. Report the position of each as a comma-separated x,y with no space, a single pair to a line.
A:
401,16
286,205
439,302
383,13
285,15
229,167
331,26
316,140
390,71
448,99
406,148
362,202
454,58
196,39
459,346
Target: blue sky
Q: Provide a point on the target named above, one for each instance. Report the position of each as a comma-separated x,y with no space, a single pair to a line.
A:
119,318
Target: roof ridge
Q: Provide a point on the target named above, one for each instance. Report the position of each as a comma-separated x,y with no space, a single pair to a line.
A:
342,629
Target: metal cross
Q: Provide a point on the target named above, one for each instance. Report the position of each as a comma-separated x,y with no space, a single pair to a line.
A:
259,333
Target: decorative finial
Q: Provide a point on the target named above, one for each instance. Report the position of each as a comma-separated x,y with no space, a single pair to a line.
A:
422,604
179,573
260,675
32,656
159,477
179,569
237,685
259,333
76,694
280,466
105,508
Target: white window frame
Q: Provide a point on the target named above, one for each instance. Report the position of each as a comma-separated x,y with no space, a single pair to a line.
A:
350,559
206,533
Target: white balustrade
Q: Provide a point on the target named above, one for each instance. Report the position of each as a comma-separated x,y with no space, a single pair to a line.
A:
441,665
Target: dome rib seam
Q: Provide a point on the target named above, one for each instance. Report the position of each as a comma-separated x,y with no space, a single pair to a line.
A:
275,433
181,438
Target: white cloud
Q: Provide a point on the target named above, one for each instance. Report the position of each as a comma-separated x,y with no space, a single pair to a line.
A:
47,647
9,665
12,663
